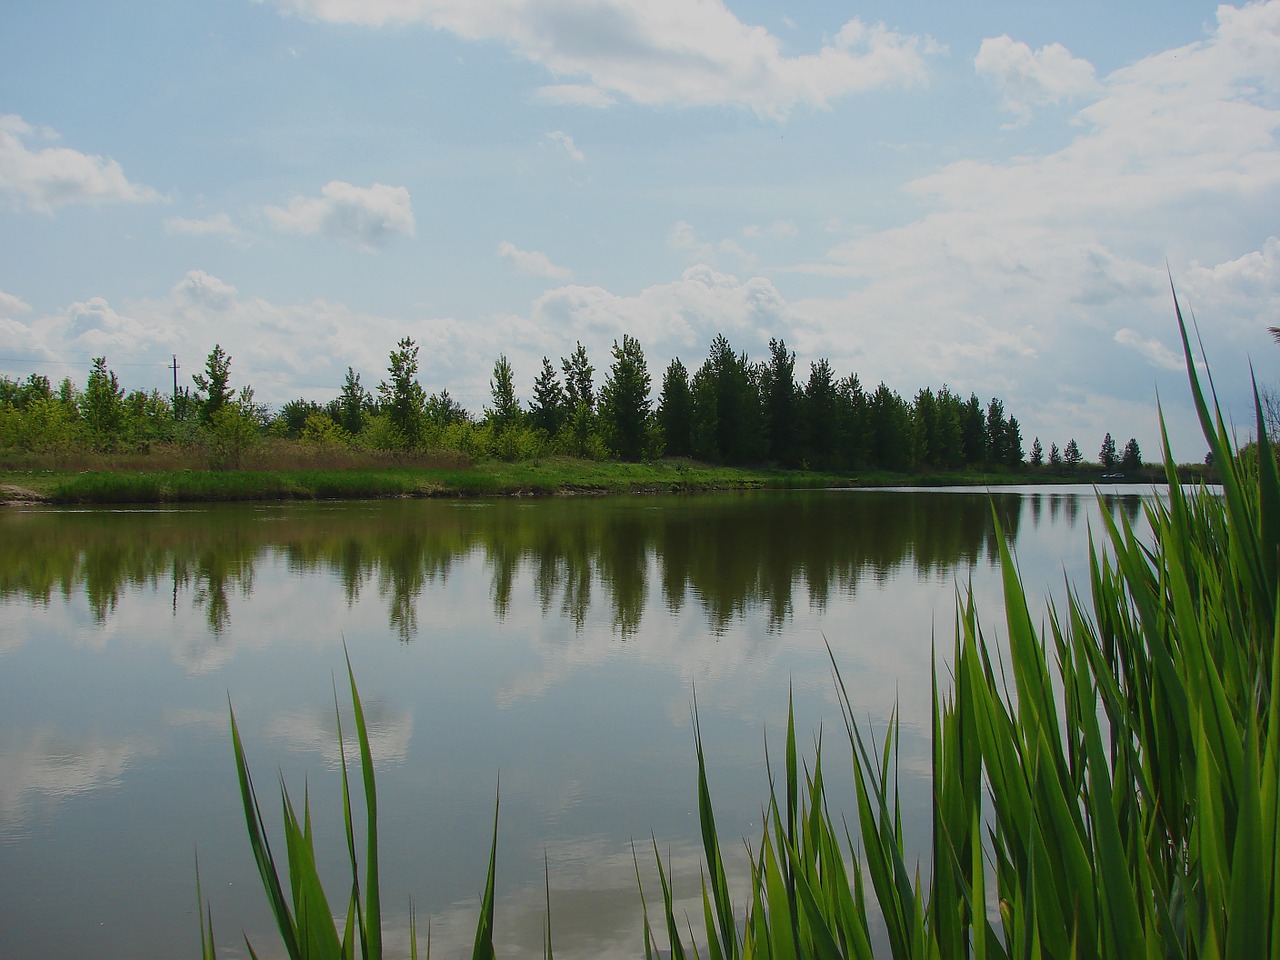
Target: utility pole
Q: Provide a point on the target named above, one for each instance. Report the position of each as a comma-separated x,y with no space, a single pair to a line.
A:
175,384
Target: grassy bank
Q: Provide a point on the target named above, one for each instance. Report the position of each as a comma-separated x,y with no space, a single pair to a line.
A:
112,484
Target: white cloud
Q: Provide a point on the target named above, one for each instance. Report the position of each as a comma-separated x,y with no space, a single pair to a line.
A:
1158,353
218,224
565,142
11,306
49,177
779,229
574,95
1030,78
661,53
368,217
531,262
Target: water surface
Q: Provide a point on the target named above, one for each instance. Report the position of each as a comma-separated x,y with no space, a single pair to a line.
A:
553,647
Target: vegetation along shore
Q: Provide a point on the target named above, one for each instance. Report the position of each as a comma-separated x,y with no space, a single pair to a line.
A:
731,424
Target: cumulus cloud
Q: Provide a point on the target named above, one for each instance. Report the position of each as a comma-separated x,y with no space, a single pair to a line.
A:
531,262
1157,352
42,178
217,225
1030,78
663,53
565,143
11,306
368,217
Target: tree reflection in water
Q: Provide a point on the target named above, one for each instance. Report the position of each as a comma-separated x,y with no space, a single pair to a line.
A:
729,553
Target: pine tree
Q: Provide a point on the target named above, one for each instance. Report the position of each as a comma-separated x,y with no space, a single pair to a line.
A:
505,412
547,408
1037,453
1055,458
1072,455
675,410
624,401
1107,455
1131,459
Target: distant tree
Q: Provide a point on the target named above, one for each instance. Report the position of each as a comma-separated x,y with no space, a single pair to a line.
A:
1012,443
1055,458
821,411
103,405
1071,455
547,409
1131,459
624,401
1107,455
353,402
505,412
441,410
890,429
578,388
738,430
292,417
781,400
402,397
675,410
973,430
995,449
212,393
1037,453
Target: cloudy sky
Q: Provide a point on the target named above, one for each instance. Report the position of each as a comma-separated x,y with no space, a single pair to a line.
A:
982,195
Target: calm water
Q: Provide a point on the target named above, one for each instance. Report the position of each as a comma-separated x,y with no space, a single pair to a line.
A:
555,646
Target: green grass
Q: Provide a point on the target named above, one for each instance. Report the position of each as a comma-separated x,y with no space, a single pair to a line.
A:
1109,787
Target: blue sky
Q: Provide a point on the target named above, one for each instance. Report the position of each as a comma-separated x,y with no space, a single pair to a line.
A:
984,196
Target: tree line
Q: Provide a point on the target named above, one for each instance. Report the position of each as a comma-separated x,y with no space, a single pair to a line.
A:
728,410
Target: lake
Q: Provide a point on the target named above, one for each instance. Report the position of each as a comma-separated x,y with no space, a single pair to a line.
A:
546,650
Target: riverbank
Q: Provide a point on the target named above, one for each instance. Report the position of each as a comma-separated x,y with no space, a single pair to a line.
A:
550,477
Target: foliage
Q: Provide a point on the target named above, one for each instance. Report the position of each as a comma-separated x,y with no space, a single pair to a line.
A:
103,406
547,409
403,399
1071,455
505,412
624,401
1131,459
233,434
1107,455
212,392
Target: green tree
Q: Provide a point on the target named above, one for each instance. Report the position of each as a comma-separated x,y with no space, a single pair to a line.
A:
821,411
402,397
1055,457
781,401
1107,455
505,412
1071,455
995,450
578,388
1131,459
353,402
675,410
1013,443
547,409
624,401
973,431
1037,453
103,406
212,392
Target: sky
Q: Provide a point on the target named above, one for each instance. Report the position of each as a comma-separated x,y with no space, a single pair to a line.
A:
991,196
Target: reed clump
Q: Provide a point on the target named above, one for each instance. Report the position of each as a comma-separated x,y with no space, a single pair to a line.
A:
1108,788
